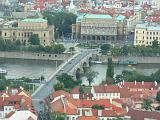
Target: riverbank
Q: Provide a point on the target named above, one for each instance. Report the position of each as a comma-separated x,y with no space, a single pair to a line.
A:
115,59
34,56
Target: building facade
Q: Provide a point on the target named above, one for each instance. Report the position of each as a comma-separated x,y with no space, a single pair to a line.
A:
146,33
97,27
26,28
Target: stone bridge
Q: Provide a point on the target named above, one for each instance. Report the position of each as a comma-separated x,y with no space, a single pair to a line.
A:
80,67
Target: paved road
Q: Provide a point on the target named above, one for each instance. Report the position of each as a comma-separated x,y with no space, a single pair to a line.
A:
47,88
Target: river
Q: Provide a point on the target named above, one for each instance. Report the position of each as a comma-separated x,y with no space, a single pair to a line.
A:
36,68
28,68
146,69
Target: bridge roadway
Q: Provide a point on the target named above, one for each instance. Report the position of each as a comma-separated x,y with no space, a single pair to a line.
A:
47,88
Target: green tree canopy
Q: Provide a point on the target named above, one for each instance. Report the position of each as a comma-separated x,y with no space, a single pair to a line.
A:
155,44
158,96
110,69
105,48
62,21
67,80
98,107
57,116
59,86
147,104
34,39
90,75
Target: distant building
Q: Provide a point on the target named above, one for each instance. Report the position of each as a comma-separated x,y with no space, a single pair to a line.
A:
146,33
98,27
26,28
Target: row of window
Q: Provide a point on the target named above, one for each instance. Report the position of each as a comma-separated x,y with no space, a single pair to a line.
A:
151,38
150,33
107,94
25,34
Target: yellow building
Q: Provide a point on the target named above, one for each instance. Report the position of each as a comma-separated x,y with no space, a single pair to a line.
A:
26,28
146,33
97,27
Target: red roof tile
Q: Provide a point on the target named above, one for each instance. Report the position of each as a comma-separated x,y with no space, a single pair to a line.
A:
87,118
140,115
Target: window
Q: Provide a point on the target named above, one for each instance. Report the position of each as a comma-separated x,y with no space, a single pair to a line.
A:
147,37
150,38
147,33
150,33
44,40
18,34
157,33
13,33
143,37
5,34
44,34
143,32
153,33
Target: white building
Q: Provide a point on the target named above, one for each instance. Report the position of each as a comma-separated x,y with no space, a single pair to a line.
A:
146,33
105,92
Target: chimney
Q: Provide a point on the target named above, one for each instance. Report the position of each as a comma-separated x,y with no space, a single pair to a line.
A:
127,109
21,88
7,89
64,106
155,83
99,113
80,112
111,101
142,82
3,97
135,82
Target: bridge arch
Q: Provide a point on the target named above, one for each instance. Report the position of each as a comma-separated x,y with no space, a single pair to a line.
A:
78,73
90,61
84,67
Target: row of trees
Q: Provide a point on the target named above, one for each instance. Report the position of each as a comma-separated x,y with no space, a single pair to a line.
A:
17,46
16,83
153,50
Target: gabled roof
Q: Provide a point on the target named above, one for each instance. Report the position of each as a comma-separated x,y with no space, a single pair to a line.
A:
106,89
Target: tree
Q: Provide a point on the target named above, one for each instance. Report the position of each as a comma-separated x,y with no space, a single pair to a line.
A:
34,39
67,80
147,104
57,116
59,86
155,44
98,107
110,69
158,96
105,48
81,90
125,50
90,76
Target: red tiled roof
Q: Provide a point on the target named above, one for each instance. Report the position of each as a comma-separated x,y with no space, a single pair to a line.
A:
106,89
140,115
59,93
145,85
87,118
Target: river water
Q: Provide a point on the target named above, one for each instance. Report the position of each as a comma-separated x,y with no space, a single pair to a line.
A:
146,69
36,68
28,68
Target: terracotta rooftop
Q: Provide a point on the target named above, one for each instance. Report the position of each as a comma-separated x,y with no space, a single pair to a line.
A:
140,115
